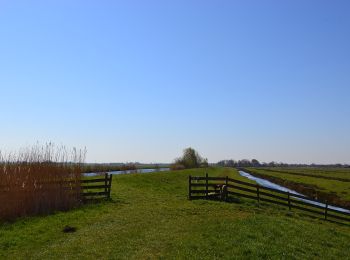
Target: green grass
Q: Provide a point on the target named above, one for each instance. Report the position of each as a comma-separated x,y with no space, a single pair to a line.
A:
321,172
150,217
337,187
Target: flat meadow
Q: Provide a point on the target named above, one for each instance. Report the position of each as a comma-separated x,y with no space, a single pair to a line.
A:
331,183
149,216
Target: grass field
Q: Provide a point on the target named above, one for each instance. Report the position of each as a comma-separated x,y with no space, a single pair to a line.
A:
150,217
335,182
320,172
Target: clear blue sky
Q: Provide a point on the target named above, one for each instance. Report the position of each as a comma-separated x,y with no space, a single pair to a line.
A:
141,80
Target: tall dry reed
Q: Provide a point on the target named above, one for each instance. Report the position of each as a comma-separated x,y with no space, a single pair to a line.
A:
39,180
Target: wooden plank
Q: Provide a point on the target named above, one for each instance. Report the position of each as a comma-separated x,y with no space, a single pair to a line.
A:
102,193
93,187
204,184
92,180
201,191
277,191
269,189
337,211
242,182
216,178
295,196
286,193
274,190
241,188
307,204
308,210
209,178
210,196
272,196
290,196
274,202
241,195
320,207
337,217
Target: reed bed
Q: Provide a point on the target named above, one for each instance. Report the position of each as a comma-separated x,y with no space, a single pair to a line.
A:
39,180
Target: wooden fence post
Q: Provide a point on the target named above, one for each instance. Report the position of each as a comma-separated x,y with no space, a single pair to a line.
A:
226,183
224,193
106,183
206,185
189,187
110,185
290,207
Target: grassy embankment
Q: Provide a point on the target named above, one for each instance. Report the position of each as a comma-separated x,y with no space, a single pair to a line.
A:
150,217
329,184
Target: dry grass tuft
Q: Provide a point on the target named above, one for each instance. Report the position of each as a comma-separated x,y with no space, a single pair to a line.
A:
39,180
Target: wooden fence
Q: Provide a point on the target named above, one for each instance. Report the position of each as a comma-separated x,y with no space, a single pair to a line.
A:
96,188
222,187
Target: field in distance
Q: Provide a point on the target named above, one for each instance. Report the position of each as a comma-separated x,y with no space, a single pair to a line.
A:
331,184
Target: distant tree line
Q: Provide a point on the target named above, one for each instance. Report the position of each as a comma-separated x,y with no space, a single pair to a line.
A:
240,163
256,163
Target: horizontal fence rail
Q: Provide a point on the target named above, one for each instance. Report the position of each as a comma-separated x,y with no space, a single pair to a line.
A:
222,187
89,188
97,187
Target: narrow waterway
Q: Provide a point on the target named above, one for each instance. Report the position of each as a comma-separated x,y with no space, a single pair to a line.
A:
271,185
128,172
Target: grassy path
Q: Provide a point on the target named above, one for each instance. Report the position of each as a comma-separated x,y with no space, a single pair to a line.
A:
150,217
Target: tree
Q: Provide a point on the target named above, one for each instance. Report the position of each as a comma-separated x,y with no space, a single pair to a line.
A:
272,164
255,163
189,159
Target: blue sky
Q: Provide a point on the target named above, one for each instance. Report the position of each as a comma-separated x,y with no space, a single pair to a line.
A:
137,81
